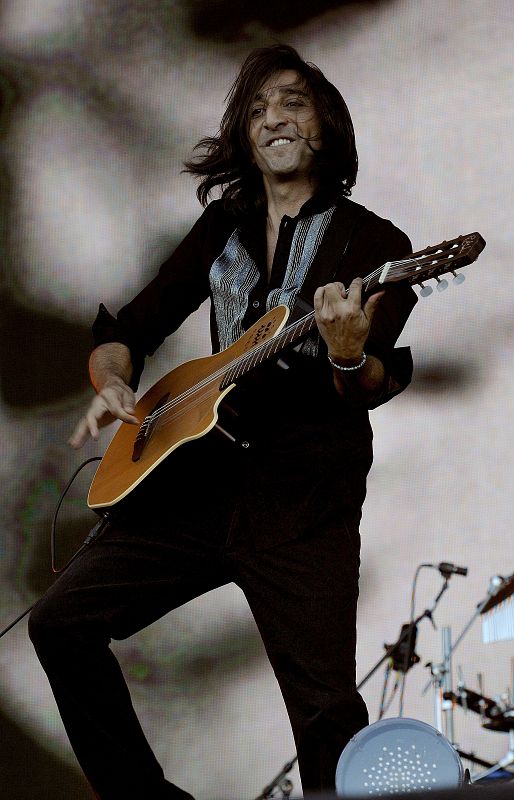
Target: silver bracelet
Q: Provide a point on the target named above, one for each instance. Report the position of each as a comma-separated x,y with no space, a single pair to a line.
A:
347,369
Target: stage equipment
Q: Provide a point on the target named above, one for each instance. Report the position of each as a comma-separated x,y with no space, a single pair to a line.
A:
401,655
442,687
495,715
280,783
498,613
397,756
495,586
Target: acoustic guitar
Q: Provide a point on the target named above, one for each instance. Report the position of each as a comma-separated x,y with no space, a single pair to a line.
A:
183,405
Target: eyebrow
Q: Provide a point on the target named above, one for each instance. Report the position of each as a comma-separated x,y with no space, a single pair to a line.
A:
286,89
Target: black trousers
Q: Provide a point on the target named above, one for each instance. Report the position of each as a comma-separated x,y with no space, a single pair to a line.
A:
302,592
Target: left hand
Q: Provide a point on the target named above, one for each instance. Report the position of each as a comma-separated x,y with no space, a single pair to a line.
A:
342,320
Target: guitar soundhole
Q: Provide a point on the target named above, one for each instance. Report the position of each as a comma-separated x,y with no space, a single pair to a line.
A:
260,334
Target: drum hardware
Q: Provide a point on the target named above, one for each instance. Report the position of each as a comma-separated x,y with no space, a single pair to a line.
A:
495,715
473,758
398,756
441,682
504,763
403,655
472,701
496,585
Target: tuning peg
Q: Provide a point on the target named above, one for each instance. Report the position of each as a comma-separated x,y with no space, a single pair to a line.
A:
425,290
458,277
441,284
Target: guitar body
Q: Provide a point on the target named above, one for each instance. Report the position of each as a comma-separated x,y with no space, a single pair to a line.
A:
194,390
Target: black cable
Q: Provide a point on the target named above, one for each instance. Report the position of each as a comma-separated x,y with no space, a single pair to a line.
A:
387,671
92,535
53,551
409,647
386,704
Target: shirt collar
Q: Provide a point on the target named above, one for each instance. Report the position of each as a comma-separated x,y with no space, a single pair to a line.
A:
251,230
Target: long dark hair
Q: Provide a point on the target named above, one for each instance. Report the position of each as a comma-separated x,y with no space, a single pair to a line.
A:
226,160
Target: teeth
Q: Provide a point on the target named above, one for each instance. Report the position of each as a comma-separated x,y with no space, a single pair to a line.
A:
276,142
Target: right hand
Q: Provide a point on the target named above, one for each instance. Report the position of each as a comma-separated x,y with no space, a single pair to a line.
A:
115,400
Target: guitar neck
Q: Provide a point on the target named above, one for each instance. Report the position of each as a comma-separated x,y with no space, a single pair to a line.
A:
419,266
289,335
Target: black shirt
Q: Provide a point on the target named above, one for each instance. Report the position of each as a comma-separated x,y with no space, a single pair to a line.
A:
305,448
182,283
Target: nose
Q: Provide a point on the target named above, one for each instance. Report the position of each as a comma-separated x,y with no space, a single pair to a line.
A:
275,116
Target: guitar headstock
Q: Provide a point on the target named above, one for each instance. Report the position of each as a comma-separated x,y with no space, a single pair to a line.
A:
432,262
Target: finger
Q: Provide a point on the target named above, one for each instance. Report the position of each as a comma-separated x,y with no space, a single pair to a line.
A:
92,423
354,294
319,298
340,288
335,290
116,411
120,404
79,435
372,303
330,292
126,417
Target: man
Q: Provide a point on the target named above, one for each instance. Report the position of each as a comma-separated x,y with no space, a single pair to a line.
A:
275,505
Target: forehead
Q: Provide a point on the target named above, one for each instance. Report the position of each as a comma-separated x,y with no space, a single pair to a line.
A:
285,81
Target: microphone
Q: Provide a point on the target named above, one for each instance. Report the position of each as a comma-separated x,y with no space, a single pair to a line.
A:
446,569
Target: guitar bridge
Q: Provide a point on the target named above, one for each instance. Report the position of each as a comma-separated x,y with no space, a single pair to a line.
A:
146,429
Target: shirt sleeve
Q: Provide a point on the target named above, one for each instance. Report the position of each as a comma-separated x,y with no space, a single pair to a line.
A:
178,289
374,243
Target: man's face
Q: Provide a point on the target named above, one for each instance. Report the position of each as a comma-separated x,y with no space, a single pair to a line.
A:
284,127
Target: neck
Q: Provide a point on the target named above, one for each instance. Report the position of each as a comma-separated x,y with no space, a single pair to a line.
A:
287,197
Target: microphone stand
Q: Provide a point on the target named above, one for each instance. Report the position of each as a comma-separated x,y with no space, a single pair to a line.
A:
280,782
407,633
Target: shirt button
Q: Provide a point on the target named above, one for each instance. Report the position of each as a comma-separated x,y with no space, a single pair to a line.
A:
256,304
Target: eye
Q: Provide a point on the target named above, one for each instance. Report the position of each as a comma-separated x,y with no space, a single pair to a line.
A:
256,112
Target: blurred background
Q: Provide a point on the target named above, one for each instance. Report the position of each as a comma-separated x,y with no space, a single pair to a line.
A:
101,102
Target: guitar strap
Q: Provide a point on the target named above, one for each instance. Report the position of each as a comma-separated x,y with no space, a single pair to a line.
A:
323,269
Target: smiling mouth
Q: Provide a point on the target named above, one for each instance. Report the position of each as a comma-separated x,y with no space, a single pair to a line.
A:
279,142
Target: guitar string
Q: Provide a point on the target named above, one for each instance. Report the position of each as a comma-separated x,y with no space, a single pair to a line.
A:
395,268
239,362
242,361
245,356
200,390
